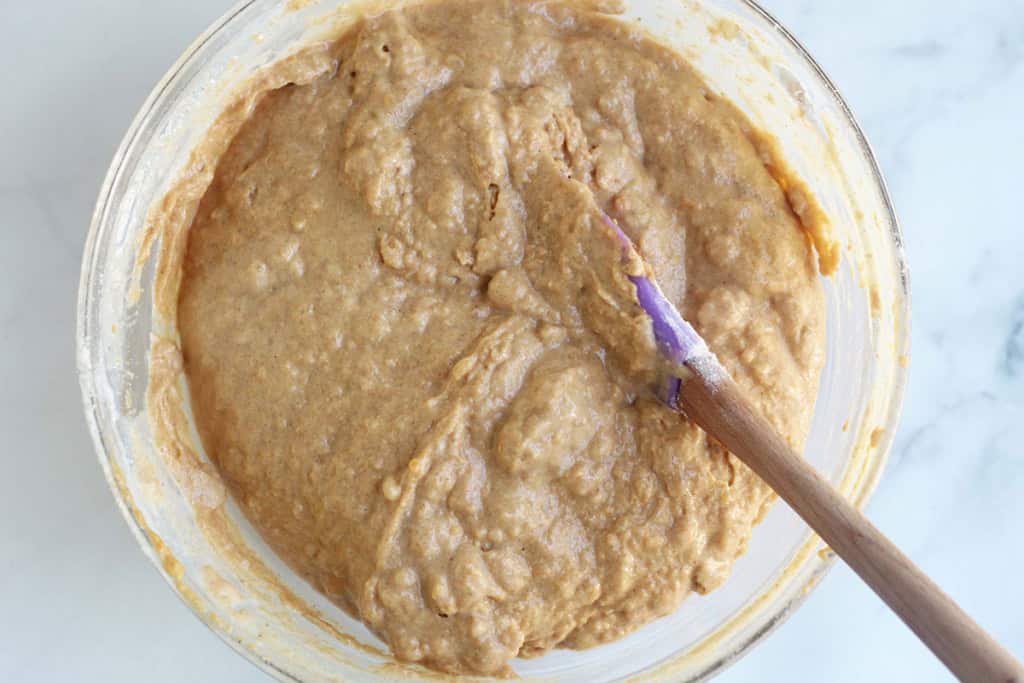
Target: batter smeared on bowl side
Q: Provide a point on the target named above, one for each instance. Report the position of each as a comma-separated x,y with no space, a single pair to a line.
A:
411,367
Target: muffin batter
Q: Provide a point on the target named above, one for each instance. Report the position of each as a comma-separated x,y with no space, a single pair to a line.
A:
415,361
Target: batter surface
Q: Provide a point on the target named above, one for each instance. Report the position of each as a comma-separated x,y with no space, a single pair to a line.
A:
416,369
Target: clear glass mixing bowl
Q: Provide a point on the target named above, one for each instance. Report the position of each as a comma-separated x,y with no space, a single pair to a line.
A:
295,634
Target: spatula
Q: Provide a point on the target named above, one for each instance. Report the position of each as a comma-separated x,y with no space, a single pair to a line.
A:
704,391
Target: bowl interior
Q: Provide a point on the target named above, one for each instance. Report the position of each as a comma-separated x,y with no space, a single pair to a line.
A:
256,603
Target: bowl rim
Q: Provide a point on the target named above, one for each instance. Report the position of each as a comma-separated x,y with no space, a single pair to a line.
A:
84,329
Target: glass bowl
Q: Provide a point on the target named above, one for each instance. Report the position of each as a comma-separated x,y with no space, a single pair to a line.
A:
263,609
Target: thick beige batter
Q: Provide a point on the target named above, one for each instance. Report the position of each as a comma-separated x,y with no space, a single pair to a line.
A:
413,358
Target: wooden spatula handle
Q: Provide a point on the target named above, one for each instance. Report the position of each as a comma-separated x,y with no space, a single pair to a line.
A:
962,645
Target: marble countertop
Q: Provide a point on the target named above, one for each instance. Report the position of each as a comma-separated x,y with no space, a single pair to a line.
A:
939,88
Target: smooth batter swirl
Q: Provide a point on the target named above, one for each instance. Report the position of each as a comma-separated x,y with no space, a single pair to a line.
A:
419,374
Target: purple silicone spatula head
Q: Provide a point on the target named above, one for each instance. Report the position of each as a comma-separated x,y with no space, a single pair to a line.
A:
678,342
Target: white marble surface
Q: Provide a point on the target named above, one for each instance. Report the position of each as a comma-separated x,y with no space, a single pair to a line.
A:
939,87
